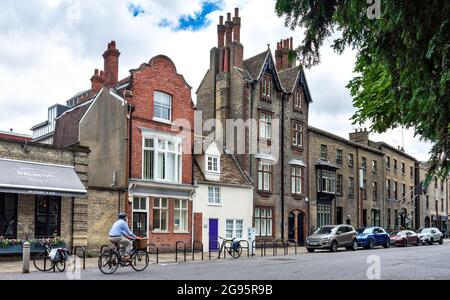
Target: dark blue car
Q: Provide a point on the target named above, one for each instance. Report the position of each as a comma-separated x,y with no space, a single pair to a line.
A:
372,236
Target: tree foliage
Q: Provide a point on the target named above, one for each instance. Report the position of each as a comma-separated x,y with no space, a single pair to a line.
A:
403,60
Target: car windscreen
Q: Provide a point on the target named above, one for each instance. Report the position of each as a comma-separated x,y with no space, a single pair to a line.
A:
324,230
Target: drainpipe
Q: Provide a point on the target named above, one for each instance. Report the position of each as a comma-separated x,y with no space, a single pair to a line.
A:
73,220
283,97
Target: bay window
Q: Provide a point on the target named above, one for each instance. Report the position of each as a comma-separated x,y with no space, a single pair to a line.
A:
162,160
326,181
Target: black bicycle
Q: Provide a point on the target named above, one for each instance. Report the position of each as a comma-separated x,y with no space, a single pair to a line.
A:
233,247
44,263
110,259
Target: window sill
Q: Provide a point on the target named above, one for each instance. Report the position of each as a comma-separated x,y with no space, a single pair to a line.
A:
160,232
299,197
181,231
168,122
215,205
265,193
298,148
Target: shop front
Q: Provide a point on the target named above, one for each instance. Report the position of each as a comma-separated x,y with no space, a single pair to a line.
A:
37,203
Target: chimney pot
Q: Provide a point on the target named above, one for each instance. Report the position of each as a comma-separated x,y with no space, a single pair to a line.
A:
221,20
229,17
236,12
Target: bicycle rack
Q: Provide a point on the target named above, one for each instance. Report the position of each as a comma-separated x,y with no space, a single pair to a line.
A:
149,245
176,250
275,246
209,249
295,244
265,246
255,246
248,246
75,250
193,249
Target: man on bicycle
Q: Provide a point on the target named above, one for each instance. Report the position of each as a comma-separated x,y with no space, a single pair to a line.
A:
121,234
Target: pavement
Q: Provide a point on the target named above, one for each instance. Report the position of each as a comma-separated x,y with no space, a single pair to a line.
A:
423,262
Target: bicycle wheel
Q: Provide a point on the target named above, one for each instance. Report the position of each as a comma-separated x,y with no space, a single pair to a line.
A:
139,260
42,262
236,253
108,262
61,266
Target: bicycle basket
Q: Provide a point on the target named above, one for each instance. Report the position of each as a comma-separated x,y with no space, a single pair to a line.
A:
141,244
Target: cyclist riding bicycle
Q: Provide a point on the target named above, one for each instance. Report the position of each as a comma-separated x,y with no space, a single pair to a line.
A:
120,234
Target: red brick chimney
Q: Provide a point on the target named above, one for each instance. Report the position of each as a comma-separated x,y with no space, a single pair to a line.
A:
111,57
96,82
221,33
228,30
284,47
236,26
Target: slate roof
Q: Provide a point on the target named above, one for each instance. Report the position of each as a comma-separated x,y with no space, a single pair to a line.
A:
254,64
230,173
290,77
67,126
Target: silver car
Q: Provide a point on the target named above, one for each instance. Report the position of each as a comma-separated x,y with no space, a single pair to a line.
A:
332,237
430,236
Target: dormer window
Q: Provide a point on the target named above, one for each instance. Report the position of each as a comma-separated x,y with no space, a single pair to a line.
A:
213,164
162,107
266,88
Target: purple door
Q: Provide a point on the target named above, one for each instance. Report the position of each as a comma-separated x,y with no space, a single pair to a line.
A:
213,234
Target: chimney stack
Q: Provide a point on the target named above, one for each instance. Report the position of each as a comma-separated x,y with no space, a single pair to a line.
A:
236,26
228,30
221,33
284,47
111,60
96,82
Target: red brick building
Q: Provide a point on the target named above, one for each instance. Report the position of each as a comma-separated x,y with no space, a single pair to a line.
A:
140,134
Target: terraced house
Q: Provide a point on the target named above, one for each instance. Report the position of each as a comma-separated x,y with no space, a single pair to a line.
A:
139,132
271,98
336,193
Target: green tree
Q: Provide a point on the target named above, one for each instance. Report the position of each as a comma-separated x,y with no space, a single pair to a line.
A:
403,59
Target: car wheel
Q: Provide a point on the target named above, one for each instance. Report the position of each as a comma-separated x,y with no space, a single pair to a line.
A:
405,243
441,241
431,241
387,244
310,250
418,242
334,246
370,244
355,245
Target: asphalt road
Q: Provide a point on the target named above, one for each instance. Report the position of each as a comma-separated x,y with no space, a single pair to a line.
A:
424,262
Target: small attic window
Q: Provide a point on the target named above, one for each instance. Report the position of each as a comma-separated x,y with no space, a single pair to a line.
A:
212,164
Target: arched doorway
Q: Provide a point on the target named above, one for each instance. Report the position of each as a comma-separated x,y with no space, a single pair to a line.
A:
296,227
427,222
291,227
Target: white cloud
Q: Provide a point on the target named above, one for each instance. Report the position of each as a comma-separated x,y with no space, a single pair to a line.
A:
51,47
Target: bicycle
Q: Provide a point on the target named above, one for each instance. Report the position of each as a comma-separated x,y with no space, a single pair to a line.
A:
43,262
235,248
110,259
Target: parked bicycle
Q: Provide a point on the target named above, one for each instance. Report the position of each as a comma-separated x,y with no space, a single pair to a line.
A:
51,258
110,259
233,247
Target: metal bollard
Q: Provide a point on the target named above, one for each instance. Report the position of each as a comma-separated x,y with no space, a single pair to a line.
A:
26,258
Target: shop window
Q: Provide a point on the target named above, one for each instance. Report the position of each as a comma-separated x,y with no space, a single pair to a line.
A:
48,216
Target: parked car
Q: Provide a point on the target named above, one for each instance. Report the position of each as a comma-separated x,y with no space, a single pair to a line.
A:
404,238
332,237
373,236
430,236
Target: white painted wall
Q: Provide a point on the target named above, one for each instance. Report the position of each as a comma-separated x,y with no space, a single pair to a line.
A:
236,203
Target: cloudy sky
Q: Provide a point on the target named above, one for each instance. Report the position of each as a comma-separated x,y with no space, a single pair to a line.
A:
50,48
